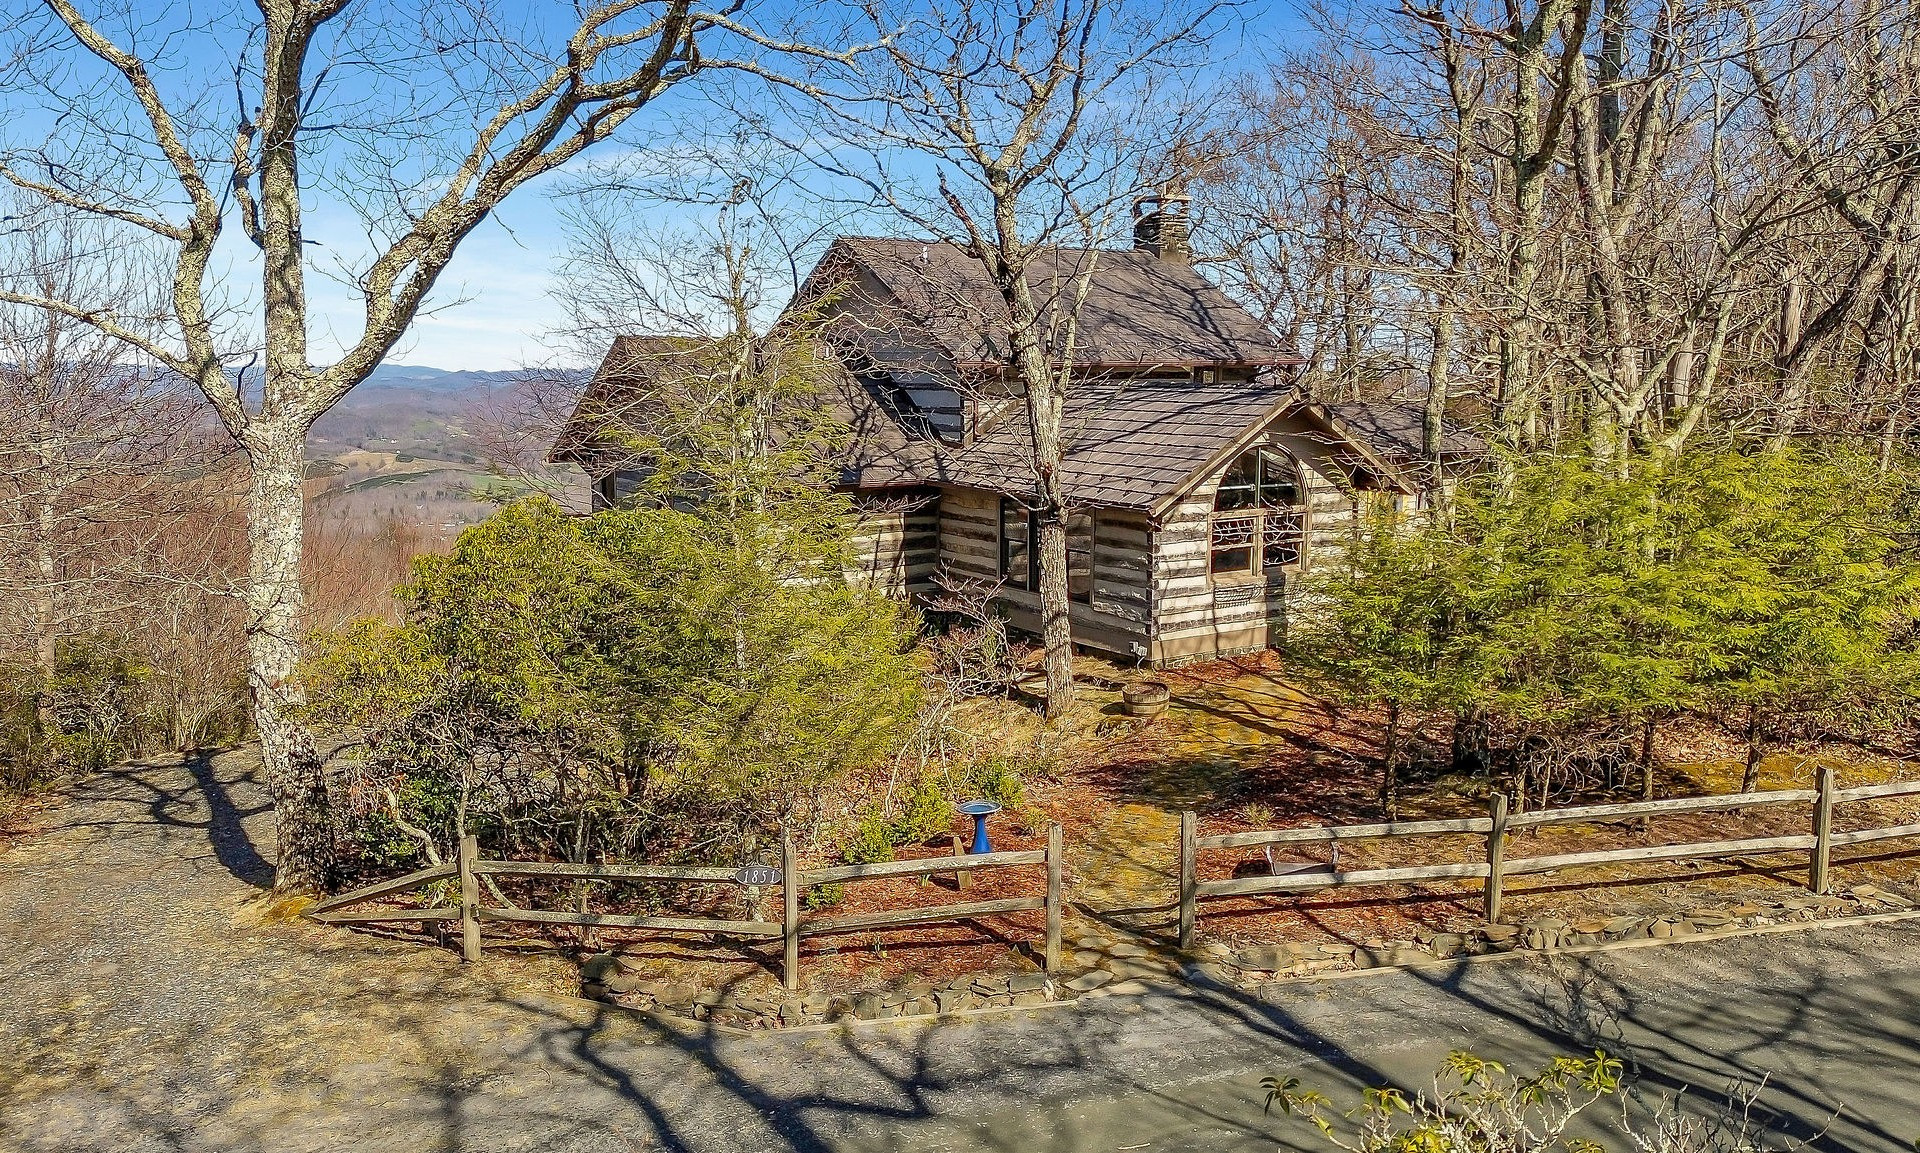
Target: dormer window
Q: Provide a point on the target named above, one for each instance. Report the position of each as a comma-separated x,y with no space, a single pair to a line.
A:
1259,521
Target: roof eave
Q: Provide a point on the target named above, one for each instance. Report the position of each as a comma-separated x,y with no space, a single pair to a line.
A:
1095,366
1234,447
1407,484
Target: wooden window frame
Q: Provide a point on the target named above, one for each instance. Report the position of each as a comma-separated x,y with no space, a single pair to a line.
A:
1091,539
1028,581
1260,526
1084,547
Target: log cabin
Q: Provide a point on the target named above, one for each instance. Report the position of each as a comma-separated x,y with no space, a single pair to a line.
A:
1202,485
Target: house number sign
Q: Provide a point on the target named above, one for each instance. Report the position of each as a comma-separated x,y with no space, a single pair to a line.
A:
756,875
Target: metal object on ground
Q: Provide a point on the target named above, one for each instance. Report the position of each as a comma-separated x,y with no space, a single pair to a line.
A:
979,811
1329,866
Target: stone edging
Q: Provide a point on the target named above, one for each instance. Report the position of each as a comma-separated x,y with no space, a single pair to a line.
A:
1193,979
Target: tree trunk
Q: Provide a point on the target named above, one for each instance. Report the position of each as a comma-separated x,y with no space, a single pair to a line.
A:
1646,767
1470,741
1045,403
1056,630
1532,153
1680,372
1045,387
1750,780
295,778
1389,767
1792,399
46,650
1646,758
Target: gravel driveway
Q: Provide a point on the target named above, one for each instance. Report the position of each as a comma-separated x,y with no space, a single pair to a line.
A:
153,1002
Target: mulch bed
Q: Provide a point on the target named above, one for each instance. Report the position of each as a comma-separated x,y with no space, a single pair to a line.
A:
1246,749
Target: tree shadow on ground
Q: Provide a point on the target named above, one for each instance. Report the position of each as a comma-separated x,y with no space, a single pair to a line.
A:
1175,1070
218,795
1828,1026
912,1087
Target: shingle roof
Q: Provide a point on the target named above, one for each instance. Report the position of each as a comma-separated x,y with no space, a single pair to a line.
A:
1129,445
632,367
1395,430
618,409
1139,310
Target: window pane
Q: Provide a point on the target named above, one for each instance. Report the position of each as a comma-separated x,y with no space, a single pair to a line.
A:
1233,543
1015,544
1282,539
1242,473
1080,536
1017,566
1238,496
1279,482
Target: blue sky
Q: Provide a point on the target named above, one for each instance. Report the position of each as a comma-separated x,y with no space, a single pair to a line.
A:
494,307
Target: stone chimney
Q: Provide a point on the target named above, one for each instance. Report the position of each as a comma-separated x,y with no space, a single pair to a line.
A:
1160,226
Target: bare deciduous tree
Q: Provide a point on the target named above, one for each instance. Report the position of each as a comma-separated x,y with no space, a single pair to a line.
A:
1017,130
1622,224
423,128
103,466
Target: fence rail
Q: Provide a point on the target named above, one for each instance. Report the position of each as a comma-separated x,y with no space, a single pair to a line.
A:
1495,867
469,867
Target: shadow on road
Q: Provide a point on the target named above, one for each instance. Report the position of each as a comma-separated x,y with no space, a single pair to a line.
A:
338,1042
1835,1059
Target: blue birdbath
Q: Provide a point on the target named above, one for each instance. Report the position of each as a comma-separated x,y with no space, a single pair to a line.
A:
979,811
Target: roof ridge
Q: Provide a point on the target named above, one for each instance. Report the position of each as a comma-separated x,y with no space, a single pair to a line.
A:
1104,250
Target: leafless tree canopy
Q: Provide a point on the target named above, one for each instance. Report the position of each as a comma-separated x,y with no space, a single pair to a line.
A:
1619,224
118,540
359,141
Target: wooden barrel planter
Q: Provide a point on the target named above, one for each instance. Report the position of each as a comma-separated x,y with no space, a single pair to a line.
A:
1145,699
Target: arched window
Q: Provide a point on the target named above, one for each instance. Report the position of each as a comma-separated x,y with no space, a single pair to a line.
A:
1259,515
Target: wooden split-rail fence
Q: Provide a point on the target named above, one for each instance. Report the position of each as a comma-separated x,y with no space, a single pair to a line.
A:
469,867
1495,866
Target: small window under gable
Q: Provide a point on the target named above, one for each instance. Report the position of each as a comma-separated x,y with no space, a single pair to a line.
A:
1259,521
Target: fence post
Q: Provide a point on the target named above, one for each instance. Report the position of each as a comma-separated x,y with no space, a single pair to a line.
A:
1053,897
961,877
1188,881
469,899
1822,830
790,914
1496,857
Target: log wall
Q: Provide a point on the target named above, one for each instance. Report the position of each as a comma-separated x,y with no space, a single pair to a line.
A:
896,545
1154,598
1117,619
1199,616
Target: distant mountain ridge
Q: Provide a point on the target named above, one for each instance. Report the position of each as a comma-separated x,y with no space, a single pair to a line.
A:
457,380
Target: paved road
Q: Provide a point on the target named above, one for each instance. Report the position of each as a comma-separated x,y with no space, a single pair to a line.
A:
153,1003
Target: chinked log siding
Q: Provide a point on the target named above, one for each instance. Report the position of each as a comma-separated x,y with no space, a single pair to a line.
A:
1117,617
896,544
1199,614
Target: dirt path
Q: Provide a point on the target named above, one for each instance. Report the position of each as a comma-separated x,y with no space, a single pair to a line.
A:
1126,869
157,991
